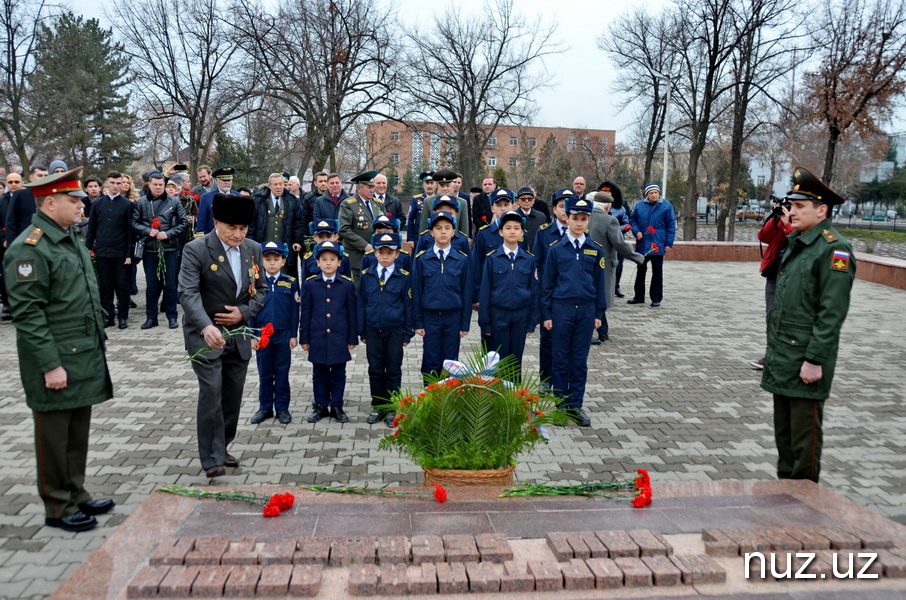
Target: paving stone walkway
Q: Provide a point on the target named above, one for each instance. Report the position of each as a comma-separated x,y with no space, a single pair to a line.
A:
672,392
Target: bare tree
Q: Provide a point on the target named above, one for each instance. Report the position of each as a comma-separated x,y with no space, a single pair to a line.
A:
20,21
863,58
332,62
185,66
475,72
637,43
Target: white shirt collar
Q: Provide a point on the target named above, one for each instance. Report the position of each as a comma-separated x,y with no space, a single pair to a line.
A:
446,250
390,270
572,240
326,278
226,247
506,251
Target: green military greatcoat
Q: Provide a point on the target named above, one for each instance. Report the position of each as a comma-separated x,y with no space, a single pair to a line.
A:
810,304
57,313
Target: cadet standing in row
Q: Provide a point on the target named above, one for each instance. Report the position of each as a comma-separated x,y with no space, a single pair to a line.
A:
60,337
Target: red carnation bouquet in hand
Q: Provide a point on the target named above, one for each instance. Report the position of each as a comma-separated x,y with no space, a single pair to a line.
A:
652,247
161,262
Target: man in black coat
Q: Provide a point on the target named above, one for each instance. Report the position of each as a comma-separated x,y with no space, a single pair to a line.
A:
392,205
318,189
277,220
481,206
22,207
13,183
327,206
534,219
109,235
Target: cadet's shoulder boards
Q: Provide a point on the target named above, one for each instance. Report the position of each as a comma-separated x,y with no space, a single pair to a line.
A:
529,253
545,226
310,277
346,277
404,272
463,253
307,255
491,252
419,253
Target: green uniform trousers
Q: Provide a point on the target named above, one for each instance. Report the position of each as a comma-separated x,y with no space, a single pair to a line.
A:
797,431
61,446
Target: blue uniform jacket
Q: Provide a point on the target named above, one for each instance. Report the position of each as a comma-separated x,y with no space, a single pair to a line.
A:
485,241
548,235
387,306
659,215
328,319
281,308
403,261
459,242
573,277
414,218
437,286
310,266
507,286
205,220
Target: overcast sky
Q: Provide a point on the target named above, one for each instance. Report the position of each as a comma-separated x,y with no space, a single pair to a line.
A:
580,76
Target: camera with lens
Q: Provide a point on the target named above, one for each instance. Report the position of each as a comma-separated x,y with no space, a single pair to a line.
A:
779,205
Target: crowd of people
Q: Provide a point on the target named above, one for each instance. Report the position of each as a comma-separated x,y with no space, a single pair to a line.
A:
272,269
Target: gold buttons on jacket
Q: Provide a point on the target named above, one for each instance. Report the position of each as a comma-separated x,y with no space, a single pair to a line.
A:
328,299
75,350
328,315
328,331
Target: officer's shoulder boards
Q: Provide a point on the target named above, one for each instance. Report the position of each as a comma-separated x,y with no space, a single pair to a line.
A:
545,226
282,283
307,255
346,277
351,201
463,253
828,236
483,227
310,277
34,236
491,252
420,253
404,272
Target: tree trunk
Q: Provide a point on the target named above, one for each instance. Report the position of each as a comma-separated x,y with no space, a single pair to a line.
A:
832,139
689,225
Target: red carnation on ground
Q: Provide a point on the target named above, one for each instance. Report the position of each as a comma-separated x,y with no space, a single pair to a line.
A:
638,502
271,511
651,229
440,494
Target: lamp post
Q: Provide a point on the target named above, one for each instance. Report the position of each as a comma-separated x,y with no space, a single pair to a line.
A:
660,75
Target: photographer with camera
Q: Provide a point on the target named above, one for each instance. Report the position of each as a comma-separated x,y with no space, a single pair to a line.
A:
773,233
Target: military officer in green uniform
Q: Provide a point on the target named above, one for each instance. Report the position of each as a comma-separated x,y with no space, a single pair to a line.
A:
60,337
356,215
810,305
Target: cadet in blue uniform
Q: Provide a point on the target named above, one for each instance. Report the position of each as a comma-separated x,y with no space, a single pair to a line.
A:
508,305
448,204
573,301
324,230
386,224
327,331
429,188
487,238
548,235
441,295
281,310
385,321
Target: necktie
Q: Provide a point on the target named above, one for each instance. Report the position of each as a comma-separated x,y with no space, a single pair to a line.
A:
512,257
577,245
383,275
273,282
440,255
276,205
329,281
368,207
563,231
236,266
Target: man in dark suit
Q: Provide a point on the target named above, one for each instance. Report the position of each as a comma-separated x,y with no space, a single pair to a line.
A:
220,289
278,219
22,207
481,207
392,205
328,205
525,198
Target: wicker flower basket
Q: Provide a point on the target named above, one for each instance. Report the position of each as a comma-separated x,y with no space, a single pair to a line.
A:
457,477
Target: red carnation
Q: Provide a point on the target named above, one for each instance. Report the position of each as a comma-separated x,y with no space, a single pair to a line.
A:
271,511
484,217
389,214
440,494
155,223
266,332
655,247
651,229
638,502
196,197
627,228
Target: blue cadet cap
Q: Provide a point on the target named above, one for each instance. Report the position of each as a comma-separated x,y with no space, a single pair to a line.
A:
324,226
441,215
578,205
385,221
563,193
501,194
386,240
328,246
274,248
511,215
285,175
446,200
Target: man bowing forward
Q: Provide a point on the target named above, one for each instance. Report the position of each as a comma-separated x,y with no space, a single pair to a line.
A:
220,289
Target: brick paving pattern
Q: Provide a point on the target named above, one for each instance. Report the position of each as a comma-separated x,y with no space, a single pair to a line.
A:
672,392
